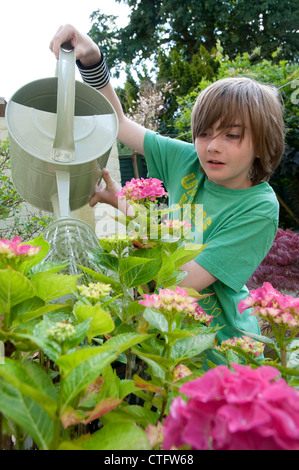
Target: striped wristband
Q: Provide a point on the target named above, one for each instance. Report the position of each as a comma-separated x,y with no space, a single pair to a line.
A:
96,75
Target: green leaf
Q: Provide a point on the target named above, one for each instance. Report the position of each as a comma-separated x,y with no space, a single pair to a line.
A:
185,253
134,308
102,258
32,308
29,379
136,271
176,279
156,319
162,362
68,362
185,348
293,359
39,337
39,241
118,436
14,289
50,267
100,321
85,373
124,341
27,397
116,286
167,269
51,286
132,413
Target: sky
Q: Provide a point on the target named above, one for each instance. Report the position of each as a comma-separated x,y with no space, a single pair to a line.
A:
27,27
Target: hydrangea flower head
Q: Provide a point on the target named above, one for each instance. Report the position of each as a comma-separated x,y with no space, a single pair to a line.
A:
240,409
201,316
94,291
269,304
142,190
254,348
171,300
14,248
61,331
13,253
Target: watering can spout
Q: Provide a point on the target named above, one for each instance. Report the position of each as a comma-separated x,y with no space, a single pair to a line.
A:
64,147
61,200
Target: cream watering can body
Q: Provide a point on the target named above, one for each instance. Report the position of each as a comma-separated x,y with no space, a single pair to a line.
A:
61,133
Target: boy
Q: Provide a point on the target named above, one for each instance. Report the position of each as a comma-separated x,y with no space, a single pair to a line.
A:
238,141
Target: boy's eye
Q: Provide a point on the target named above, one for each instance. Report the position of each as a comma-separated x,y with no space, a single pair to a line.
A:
233,136
204,134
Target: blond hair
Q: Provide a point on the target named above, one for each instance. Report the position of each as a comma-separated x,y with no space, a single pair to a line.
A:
255,104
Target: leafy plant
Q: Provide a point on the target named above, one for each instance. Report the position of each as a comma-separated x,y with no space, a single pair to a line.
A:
97,366
15,218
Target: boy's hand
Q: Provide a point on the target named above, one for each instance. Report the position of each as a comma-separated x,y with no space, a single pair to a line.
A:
86,50
106,194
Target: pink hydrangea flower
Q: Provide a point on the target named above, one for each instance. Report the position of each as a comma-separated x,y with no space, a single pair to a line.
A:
13,248
176,223
240,409
254,348
177,300
269,304
201,316
141,189
170,300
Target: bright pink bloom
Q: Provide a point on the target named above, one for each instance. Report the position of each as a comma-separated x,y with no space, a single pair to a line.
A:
244,409
269,304
171,300
176,223
200,315
142,189
13,248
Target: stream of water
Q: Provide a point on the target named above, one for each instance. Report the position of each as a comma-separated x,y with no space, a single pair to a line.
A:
70,241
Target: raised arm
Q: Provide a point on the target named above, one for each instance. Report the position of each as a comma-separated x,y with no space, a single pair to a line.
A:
130,133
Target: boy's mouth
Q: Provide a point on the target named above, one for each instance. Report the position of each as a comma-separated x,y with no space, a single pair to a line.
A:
215,162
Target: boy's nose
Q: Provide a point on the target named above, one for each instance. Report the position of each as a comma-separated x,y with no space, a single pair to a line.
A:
214,145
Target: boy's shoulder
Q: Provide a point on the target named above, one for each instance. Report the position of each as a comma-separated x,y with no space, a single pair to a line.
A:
152,138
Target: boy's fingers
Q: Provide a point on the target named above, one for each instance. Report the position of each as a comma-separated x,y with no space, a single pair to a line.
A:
94,200
106,175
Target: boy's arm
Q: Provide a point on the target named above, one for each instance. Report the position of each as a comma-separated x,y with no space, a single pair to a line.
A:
130,133
198,277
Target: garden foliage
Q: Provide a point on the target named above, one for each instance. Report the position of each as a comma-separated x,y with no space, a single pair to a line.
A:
104,365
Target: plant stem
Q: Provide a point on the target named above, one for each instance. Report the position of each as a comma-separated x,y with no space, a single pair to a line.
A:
166,353
131,361
57,422
283,356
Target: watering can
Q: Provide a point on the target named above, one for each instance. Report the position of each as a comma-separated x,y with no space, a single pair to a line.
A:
61,132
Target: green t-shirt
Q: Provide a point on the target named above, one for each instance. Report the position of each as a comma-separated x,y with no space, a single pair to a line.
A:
238,226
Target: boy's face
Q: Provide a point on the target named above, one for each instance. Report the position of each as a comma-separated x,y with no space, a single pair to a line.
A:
225,157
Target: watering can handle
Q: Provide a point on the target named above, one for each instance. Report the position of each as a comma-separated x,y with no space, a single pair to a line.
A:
64,147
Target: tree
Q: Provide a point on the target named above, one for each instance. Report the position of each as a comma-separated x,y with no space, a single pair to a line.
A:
240,25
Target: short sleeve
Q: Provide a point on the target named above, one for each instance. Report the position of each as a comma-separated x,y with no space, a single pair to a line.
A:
237,249
167,158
